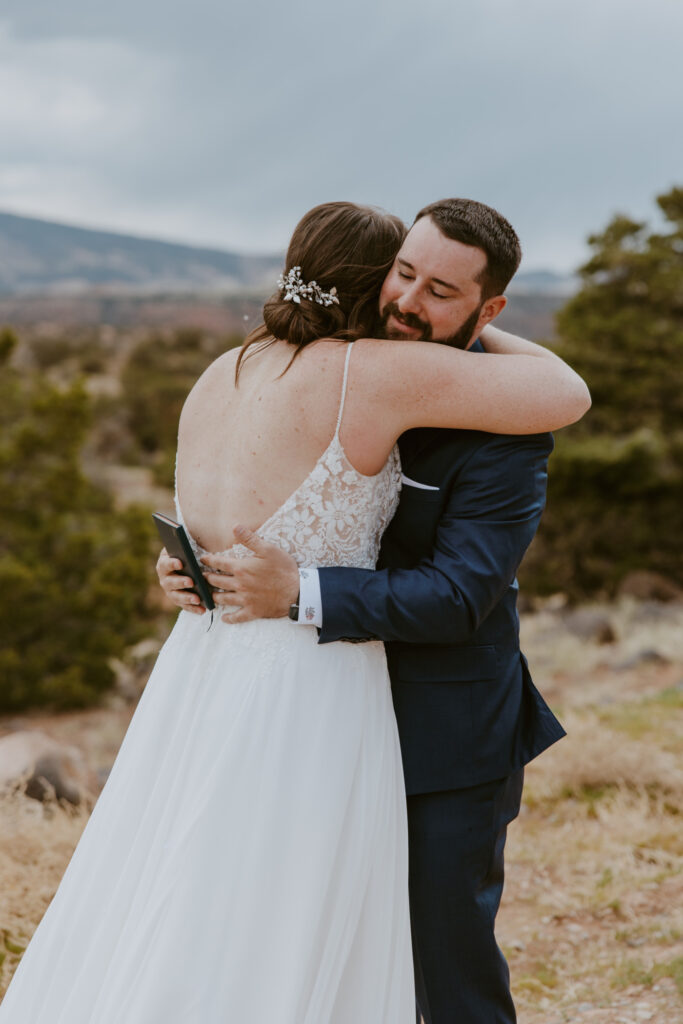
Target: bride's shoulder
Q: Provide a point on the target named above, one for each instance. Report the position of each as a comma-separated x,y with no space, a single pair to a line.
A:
222,365
217,372
315,363
216,378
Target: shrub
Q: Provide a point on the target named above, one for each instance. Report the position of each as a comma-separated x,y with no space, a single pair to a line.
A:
74,572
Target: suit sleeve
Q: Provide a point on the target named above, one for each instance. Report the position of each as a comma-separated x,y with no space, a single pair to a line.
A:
492,513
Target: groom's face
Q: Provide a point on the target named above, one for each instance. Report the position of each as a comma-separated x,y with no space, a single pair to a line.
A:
432,292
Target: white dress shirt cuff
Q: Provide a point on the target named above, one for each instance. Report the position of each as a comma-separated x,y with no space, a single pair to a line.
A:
310,601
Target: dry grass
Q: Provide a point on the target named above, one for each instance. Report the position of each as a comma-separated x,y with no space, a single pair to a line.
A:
36,843
592,920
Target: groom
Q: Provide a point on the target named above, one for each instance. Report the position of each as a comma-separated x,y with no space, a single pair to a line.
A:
443,598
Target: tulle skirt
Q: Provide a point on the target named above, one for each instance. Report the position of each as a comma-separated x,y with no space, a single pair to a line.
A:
246,862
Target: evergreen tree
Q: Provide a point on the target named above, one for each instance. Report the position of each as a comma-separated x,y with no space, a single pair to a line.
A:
623,331
615,494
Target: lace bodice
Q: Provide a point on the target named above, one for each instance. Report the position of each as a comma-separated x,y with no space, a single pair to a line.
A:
337,515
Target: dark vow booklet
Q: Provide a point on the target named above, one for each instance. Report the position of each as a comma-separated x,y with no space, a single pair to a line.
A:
177,543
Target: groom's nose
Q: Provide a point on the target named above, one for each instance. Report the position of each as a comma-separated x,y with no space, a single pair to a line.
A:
409,300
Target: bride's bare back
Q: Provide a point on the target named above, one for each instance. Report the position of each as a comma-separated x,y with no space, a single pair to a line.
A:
243,450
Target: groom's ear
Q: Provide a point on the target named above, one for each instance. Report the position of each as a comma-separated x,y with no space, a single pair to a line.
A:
489,311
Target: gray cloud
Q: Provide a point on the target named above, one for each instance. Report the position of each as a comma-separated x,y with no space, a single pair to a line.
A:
222,124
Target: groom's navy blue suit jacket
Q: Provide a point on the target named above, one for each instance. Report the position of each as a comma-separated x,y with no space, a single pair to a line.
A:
444,600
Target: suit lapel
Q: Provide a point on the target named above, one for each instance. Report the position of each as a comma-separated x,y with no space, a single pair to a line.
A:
413,443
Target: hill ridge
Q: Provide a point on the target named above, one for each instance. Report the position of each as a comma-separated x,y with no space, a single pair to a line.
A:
39,255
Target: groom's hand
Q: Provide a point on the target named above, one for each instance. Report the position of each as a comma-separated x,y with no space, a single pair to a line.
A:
263,586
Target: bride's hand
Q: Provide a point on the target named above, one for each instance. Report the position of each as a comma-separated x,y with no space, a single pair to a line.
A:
177,587
263,587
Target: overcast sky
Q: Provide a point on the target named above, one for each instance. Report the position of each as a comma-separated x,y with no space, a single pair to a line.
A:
220,123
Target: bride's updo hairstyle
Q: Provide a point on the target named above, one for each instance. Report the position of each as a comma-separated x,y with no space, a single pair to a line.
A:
340,246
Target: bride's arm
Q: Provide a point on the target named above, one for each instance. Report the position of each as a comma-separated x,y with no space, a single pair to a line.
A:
517,387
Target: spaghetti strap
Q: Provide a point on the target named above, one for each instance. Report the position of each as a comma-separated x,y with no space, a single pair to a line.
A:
343,393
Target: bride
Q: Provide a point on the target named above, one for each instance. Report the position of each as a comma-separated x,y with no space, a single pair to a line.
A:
247,858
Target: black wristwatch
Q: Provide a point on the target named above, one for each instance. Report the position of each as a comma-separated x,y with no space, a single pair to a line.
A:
294,609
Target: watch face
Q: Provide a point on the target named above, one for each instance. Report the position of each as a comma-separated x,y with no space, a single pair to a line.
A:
294,612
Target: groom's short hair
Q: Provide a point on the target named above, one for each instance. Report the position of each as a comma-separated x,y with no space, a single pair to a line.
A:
473,223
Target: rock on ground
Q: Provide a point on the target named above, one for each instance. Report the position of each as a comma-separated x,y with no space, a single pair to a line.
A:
44,767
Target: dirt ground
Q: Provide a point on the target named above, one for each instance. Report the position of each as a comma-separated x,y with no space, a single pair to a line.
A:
592,918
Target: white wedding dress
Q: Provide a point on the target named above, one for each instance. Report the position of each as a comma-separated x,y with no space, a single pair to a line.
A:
246,862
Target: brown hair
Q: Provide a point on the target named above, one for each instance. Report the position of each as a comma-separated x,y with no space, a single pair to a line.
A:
338,245
472,223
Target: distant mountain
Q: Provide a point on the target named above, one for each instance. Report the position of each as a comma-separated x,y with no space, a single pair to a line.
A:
543,282
39,256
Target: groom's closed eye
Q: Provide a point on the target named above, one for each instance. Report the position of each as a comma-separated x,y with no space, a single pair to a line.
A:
437,295
407,272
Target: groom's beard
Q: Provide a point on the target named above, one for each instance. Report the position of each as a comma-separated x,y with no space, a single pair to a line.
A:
459,339
409,319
